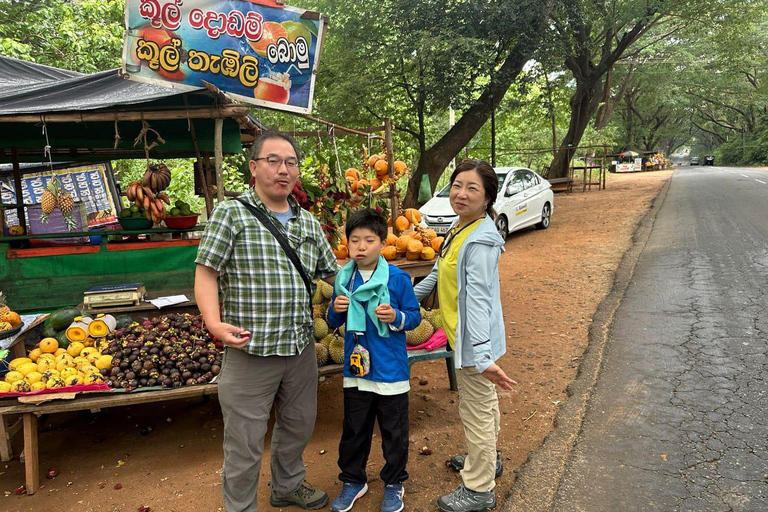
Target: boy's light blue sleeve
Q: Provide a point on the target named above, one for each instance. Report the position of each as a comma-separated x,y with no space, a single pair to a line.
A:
335,320
407,303
424,287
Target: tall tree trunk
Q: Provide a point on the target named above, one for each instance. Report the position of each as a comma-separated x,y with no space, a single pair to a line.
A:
584,103
434,160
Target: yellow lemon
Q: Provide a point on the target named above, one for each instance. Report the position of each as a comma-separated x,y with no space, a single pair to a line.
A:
33,377
37,386
15,363
75,348
27,368
68,372
34,354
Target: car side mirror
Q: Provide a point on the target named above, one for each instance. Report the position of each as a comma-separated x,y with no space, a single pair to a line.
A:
512,189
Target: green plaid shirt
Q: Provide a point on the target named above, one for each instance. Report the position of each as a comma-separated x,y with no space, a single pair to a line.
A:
262,290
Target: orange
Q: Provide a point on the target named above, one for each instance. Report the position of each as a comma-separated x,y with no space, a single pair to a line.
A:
389,252
402,223
270,33
427,253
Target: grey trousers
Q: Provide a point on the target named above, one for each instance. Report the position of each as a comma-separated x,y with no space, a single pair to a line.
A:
248,387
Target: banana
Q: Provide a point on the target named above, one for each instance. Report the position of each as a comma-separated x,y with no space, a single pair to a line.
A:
130,192
148,193
139,193
162,210
146,202
153,181
146,177
154,210
164,198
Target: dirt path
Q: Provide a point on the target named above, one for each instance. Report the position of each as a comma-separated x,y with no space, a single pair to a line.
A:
168,456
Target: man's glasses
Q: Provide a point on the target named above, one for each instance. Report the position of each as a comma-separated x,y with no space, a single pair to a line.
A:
276,161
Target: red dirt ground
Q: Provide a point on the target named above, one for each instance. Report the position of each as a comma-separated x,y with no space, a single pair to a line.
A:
552,282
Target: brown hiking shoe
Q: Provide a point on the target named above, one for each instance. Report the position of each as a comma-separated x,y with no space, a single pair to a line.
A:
306,497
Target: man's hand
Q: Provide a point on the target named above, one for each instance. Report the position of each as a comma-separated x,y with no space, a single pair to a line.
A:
341,304
230,335
385,313
495,374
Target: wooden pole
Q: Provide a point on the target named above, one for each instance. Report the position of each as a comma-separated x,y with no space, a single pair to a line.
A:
394,202
17,188
199,165
31,462
219,158
194,113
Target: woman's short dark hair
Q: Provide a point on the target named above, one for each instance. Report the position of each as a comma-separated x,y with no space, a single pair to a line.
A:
488,177
273,134
370,219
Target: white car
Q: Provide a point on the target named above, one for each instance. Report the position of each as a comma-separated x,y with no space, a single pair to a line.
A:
525,199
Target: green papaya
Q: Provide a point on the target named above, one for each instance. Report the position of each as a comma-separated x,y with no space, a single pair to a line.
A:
62,318
123,321
61,337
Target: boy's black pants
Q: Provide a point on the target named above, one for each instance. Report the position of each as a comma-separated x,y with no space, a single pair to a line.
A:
361,410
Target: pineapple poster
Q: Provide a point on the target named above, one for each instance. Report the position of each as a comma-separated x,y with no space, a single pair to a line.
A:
66,190
257,51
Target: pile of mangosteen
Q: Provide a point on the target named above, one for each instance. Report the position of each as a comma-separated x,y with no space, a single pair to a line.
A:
169,351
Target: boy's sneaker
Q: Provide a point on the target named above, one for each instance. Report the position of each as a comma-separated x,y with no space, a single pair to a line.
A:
350,492
393,498
306,497
467,500
457,463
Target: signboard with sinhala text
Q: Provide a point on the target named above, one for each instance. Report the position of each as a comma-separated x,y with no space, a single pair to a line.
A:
258,54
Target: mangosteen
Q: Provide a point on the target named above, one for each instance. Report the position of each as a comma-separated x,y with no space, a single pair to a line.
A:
133,384
177,384
143,382
123,384
154,351
174,356
117,355
166,371
125,365
136,365
132,357
190,382
184,336
167,350
162,327
130,338
148,364
116,361
204,351
186,375
169,364
186,360
205,367
104,372
151,382
143,373
130,375
215,369
167,382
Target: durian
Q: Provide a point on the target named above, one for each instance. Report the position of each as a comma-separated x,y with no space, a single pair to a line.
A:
321,328
336,349
322,354
420,334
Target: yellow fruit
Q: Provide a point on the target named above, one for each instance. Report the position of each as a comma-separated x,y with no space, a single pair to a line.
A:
89,342
75,348
60,351
53,372
104,362
93,378
26,368
46,356
43,365
413,215
73,380
85,370
34,354
391,239
37,386
63,357
49,345
402,223
389,253
87,350
68,372
102,344
54,382
402,243
5,387
93,356
20,386
33,377
15,363
80,361
13,376
427,253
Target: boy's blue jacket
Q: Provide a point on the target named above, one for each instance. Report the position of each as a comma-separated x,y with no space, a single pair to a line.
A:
389,358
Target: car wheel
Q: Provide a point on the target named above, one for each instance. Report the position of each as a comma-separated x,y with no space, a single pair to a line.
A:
546,213
502,226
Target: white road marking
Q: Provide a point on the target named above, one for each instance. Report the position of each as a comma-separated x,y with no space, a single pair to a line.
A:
744,175
757,180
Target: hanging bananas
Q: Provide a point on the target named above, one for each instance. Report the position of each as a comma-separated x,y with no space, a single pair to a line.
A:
153,204
157,177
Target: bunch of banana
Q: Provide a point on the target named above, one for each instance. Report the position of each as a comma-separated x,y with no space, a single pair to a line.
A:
156,211
157,177
152,204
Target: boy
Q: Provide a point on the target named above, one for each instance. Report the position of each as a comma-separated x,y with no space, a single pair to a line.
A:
377,303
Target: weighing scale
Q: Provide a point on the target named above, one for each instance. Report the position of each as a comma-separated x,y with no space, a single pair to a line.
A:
130,294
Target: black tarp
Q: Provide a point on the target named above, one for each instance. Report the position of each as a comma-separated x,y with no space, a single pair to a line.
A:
30,88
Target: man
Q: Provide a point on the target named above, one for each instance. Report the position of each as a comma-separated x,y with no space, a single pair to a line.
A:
266,324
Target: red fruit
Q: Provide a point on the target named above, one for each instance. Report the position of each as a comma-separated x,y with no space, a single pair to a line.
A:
143,509
21,490
118,487
52,473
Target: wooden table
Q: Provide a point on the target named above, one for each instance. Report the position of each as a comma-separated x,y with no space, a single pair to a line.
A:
86,402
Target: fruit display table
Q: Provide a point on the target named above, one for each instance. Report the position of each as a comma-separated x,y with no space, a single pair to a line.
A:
88,402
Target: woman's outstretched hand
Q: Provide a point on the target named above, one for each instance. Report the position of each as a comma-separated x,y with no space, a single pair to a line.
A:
495,374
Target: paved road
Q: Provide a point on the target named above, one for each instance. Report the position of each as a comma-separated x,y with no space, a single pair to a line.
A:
678,420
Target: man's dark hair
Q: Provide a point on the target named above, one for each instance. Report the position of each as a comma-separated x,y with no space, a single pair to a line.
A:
370,219
273,134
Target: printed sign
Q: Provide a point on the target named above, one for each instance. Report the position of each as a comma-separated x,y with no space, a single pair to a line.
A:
266,56
87,184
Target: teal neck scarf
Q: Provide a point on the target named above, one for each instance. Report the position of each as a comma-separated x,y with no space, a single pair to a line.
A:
375,292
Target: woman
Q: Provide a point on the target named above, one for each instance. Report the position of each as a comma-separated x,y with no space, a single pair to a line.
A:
467,279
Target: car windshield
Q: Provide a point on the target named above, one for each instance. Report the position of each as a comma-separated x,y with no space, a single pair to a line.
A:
445,191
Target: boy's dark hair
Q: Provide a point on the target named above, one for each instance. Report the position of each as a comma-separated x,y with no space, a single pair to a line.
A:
370,219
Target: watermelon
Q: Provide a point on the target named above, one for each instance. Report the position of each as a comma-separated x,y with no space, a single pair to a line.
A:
62,318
